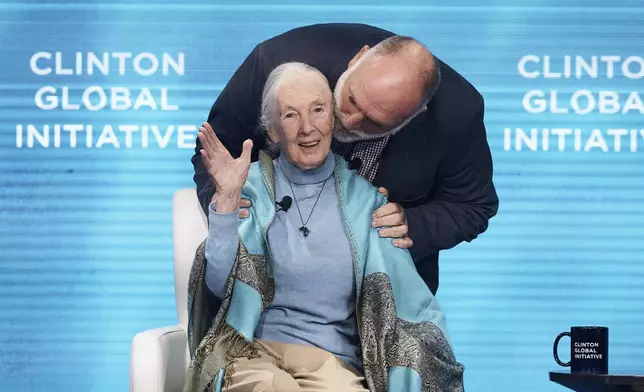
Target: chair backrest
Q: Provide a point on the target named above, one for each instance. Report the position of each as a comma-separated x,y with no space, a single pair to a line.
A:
189,229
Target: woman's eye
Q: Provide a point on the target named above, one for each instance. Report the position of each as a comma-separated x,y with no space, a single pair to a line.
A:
318,109
289,115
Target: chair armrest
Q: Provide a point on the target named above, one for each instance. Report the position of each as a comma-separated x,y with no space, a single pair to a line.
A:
158,360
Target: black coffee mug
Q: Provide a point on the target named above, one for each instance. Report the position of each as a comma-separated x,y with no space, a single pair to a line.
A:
588,350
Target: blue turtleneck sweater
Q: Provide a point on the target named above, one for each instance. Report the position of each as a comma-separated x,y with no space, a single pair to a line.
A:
314,301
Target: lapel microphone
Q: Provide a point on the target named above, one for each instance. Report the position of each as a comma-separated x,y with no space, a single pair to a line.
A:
285,204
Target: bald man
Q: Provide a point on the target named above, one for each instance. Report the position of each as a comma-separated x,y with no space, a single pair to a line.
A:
406,121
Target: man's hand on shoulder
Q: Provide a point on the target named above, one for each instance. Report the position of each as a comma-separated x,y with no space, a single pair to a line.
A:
392,223
244,205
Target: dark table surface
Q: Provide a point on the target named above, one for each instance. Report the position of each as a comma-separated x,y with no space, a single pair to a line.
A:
587,382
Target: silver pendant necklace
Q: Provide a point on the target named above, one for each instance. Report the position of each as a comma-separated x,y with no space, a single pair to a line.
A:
303,229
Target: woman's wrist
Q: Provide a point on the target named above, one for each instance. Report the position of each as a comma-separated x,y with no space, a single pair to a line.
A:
226,202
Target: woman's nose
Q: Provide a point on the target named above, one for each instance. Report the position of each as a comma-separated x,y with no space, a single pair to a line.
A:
307,125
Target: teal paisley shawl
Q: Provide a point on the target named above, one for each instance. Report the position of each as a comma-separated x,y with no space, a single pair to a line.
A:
404,342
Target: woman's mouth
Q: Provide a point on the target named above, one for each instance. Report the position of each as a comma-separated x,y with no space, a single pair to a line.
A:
309,144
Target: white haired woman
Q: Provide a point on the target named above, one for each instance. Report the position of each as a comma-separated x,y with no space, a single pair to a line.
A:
313,298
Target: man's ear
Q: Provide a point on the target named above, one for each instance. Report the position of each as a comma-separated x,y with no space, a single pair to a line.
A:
358,55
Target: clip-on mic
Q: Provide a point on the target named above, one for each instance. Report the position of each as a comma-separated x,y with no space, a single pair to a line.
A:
285,204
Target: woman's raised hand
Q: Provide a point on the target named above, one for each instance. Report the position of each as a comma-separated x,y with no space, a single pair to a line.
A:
227,173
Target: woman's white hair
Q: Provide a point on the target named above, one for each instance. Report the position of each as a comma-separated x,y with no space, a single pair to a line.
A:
269,117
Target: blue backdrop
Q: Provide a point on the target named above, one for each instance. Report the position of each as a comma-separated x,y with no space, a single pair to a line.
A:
85,225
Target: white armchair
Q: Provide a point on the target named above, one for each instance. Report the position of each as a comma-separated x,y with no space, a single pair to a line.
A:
159,357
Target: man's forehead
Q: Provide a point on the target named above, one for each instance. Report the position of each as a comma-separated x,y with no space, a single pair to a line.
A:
384,104
389,94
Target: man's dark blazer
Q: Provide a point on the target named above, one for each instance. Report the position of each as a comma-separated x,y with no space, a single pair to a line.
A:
438,167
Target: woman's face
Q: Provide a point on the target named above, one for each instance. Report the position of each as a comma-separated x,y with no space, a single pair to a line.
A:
305,105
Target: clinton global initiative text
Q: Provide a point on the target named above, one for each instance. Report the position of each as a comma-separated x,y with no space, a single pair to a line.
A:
105,136
573,139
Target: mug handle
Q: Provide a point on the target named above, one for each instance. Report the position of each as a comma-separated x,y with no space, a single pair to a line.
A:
555,351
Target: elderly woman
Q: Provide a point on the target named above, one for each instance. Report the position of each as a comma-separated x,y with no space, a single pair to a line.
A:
313,298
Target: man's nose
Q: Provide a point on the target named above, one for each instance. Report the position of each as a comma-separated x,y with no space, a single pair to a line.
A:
353,120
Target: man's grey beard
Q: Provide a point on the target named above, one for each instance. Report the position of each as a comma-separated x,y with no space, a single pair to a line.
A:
349,136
